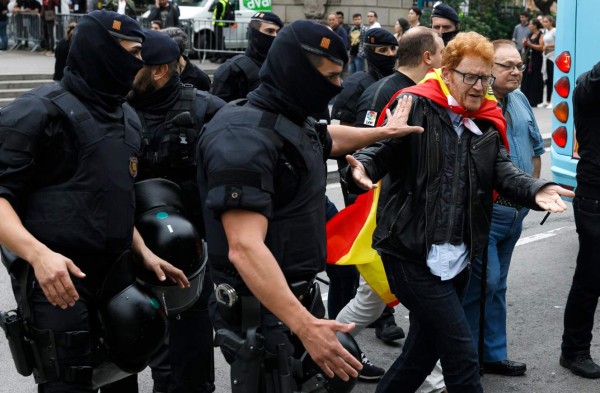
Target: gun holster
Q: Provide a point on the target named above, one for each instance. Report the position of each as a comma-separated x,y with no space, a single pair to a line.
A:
246,369
20,346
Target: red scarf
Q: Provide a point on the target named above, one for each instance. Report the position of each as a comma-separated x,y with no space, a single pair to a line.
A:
434,88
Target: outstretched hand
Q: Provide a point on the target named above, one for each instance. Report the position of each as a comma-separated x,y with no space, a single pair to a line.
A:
359,174
549,198
397,124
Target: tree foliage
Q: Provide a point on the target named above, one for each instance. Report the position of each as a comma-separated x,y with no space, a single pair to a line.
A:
494,19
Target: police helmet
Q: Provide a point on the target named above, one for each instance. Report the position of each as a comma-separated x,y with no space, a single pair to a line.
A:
134,324
335,384
162,223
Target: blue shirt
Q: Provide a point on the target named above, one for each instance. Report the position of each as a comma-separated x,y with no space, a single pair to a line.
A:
447,260
523,134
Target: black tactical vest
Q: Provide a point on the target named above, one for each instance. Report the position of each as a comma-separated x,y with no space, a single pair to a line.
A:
93,210
296,232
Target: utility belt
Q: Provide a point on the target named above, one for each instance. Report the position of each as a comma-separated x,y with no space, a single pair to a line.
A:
245,310
505,202
34,350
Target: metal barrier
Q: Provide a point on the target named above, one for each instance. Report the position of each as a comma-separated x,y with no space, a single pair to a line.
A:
203,36
62,22
208,39
26,27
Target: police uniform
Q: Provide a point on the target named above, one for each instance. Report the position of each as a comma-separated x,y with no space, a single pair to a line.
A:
266,155
68,159
238,76
168,151
380,66
376,97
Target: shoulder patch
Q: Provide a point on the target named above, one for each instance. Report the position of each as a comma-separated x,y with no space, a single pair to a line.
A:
370,118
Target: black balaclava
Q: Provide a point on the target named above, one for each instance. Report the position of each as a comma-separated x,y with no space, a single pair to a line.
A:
290,84
379,65
97,57
448,36
259,43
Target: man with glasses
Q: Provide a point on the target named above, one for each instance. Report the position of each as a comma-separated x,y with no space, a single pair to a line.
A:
439,196
372,20
526,147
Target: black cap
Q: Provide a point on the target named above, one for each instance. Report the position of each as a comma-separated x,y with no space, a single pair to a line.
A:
119,26
320,40
446,12
379,37
159,48
268,17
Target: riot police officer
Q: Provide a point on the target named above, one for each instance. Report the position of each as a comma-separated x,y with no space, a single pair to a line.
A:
262,185
238,76
172,115
68,159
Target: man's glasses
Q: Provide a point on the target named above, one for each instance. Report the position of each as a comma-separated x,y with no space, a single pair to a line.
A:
520,67
471,79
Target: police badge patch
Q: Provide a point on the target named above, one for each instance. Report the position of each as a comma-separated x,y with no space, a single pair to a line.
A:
133,166
371,118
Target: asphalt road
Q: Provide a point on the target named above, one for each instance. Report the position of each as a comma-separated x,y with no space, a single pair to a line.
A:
539,281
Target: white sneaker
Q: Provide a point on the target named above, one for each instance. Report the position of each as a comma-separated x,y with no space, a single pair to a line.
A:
542,105
549,106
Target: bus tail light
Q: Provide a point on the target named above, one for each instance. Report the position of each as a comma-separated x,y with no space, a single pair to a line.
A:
563,87
563,62
559,136
561,112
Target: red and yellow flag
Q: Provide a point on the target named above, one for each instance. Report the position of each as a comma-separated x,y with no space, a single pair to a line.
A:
349,239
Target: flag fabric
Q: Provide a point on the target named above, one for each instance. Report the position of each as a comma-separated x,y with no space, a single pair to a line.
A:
349,239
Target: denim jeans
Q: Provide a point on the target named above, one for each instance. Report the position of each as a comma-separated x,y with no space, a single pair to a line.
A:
357,64
583,297
507,224
438,330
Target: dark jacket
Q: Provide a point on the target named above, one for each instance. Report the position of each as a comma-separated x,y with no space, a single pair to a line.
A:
169,16
193,75
587,118
406,222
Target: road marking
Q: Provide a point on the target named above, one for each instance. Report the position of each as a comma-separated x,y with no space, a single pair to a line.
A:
541,236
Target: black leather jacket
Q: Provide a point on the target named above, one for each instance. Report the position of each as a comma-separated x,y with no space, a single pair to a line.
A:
406,216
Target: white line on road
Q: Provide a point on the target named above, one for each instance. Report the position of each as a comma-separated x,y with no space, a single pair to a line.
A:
543,235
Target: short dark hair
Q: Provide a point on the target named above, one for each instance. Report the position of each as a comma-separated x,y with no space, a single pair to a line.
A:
416,10
356,16
339,13
537,23
179,36
412,45
374,13
524,13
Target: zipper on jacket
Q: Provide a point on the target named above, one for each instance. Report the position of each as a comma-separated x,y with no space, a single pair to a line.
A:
489,135
402,207
454,187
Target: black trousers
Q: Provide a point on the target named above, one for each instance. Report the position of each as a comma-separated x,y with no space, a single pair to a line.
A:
583,297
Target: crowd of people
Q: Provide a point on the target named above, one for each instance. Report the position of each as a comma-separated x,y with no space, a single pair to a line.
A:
135,135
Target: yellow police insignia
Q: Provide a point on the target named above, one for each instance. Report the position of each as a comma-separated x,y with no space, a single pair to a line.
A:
325,43
133,166
116,25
